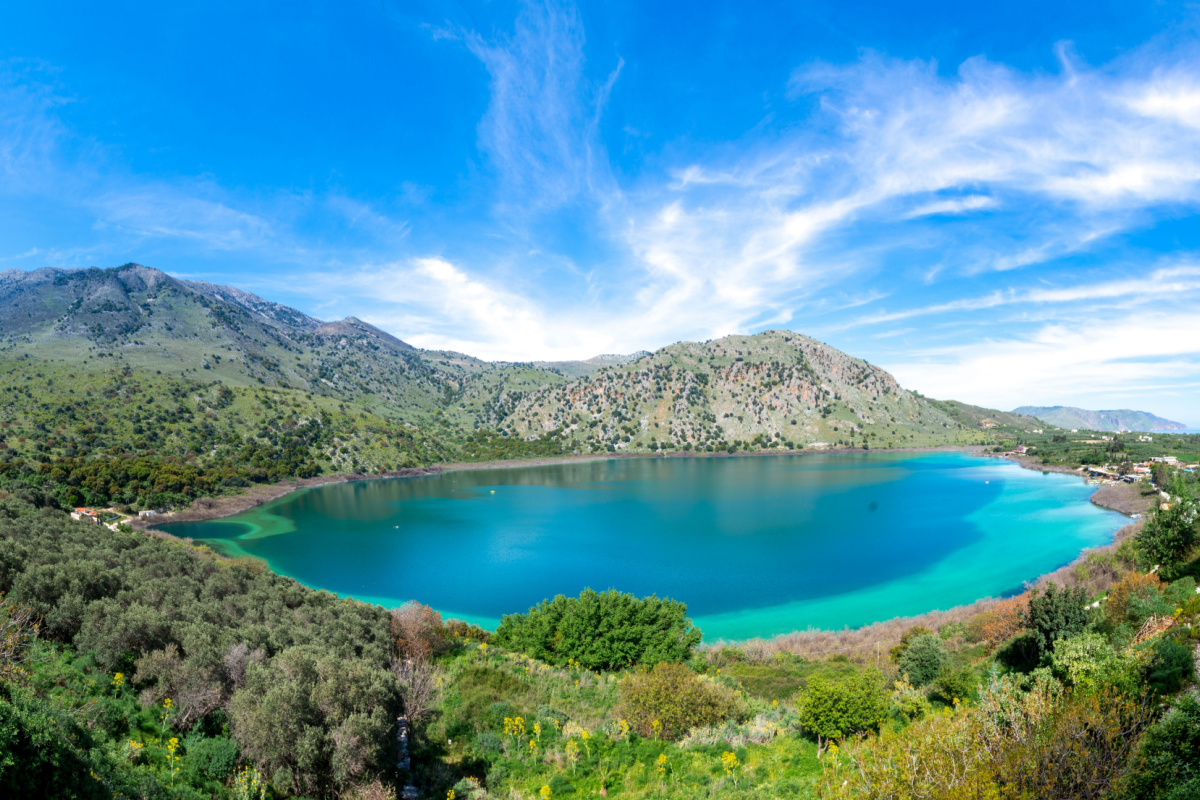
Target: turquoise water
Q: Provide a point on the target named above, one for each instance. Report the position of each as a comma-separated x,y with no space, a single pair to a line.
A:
754,546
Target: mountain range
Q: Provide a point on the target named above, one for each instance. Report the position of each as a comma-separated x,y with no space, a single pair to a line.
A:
1121,419
776,389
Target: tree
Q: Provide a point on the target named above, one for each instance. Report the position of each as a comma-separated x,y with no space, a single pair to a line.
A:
1169,535
923,659
418,631
1055,615
833,709
601,630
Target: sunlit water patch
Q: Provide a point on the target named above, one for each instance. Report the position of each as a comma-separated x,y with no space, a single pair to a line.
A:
754,546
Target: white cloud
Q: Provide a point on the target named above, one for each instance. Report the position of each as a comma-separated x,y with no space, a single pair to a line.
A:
1077,364
960,205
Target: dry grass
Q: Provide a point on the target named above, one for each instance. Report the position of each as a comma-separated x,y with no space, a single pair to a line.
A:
1096,569
863,645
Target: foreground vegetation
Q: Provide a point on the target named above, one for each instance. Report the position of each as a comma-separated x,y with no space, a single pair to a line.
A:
135,666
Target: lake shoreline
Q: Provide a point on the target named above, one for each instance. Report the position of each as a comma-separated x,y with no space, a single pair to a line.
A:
208,508
1118,497
203,509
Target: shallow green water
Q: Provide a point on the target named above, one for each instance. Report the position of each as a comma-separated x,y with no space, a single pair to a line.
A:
754,546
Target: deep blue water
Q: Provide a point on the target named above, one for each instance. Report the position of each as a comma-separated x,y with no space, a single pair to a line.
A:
754,546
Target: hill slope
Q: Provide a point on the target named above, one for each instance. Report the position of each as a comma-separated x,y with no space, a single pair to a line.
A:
128,385
1122,419
774,389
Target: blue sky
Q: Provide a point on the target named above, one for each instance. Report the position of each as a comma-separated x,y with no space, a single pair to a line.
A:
996,202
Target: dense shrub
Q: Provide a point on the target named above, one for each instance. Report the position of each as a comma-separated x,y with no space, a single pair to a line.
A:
303,676
43,751
952,685
1169,663
670,700
1166,765
1087,661
1168,535
923,659
1055,614
607,630
906,639
1126,598
211,757
832,709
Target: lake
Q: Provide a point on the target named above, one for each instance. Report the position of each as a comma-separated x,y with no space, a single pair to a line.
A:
755,546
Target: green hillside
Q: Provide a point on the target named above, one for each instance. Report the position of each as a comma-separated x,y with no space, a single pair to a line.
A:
129,386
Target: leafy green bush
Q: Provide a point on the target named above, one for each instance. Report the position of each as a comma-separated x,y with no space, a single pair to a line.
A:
43,751
608,630
1170,663
1088,661
670,700
906,639
833,709
953,684
922,660
1168,535
212,758
1166,765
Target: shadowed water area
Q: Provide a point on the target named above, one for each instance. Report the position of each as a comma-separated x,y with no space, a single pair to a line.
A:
754,546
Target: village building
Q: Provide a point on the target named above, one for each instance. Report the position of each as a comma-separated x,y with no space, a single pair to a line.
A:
86,515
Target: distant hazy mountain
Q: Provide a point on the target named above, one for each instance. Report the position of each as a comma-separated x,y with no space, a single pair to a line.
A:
769,390
1121,419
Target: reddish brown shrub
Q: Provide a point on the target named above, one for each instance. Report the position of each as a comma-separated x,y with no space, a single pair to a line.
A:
1117,608
418,631
1004,620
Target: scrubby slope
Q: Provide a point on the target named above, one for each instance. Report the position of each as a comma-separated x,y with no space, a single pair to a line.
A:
774,389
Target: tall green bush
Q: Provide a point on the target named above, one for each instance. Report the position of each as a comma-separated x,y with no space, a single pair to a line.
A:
1055,614
1169,535
601,630
1166,765
922,660
833,709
